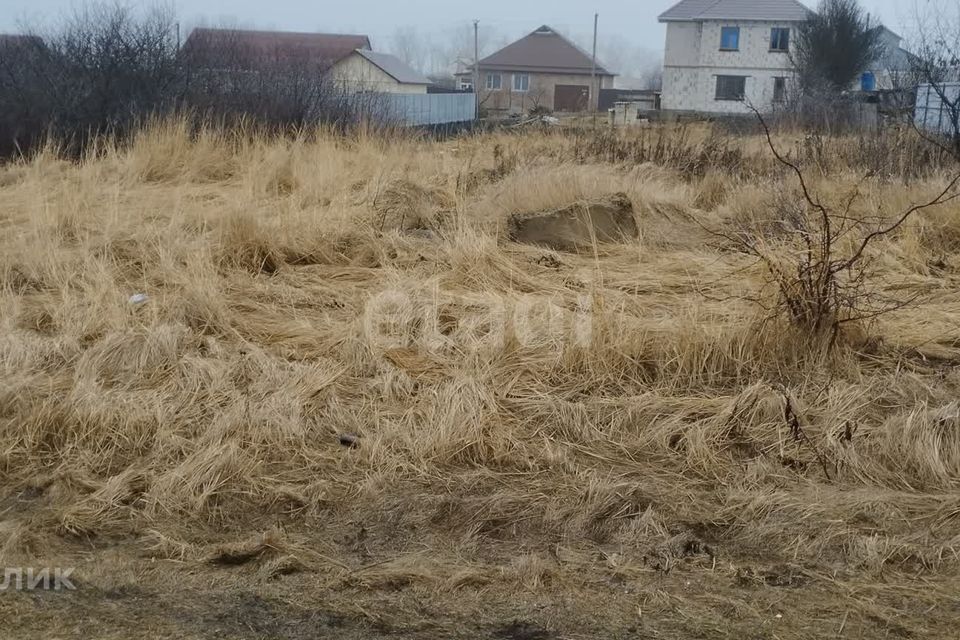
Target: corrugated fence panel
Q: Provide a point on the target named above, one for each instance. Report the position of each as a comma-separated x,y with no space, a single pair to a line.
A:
421,109
931,113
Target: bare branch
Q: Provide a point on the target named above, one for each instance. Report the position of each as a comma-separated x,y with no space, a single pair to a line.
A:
942,198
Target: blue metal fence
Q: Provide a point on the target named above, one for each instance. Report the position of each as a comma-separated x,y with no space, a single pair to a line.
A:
422,109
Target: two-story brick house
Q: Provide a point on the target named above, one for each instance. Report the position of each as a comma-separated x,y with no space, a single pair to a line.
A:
724,55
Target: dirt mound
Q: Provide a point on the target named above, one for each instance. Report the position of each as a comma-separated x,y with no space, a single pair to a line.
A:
578,226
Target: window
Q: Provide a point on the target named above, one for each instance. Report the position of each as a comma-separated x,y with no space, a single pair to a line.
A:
868,82
731,87
779,39
779,89
494,81
521,82
730,38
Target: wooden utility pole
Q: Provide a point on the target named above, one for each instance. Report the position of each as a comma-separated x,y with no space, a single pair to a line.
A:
476,66
594,97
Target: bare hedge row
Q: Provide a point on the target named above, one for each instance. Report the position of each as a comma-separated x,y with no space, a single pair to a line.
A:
107,69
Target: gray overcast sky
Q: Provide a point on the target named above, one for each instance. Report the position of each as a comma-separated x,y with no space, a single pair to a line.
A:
635,20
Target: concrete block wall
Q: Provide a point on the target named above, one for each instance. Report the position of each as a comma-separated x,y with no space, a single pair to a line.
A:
693,60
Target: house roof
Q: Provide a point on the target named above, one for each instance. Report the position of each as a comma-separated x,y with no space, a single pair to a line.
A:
270,47
890,32
770,10
544,51
394,67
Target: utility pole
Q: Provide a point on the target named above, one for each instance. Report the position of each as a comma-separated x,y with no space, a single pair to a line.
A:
594,97
476,66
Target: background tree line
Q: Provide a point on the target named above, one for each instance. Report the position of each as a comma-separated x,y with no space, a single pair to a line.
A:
107,68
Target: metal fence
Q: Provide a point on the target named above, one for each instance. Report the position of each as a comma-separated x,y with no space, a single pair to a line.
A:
931,112
424,109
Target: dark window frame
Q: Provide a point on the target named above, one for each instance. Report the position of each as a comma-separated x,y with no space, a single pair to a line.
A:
780,89
728,94
723,32
780,40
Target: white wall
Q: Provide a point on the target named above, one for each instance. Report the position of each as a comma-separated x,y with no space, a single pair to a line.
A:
683,44
696,89
693,60
754,50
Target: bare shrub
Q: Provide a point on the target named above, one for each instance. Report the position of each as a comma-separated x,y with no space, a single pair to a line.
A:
890,152
107,69
667,146
712,191
99,72
822,269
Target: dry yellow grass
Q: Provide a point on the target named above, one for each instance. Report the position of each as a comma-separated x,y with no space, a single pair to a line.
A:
550,445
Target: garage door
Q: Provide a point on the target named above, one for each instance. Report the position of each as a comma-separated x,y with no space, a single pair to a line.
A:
571,97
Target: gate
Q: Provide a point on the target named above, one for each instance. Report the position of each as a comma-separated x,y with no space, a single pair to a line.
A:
571,97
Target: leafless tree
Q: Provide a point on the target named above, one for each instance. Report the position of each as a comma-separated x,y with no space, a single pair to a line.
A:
936,68
24,102
636,67
652,77
442,53
821,267
98,71
106,68
535,98
408,44
454,50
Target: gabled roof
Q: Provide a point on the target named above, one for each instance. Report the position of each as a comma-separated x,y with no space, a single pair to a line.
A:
771,10
890,33
394,67
255,48
543,51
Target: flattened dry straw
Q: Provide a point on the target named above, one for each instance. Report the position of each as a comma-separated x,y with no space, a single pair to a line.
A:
501,449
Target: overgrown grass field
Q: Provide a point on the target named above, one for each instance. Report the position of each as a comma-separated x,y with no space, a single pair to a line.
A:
351,406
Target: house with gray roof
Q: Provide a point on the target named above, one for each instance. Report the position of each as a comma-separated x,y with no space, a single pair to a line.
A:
724,55
367,71
543,69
